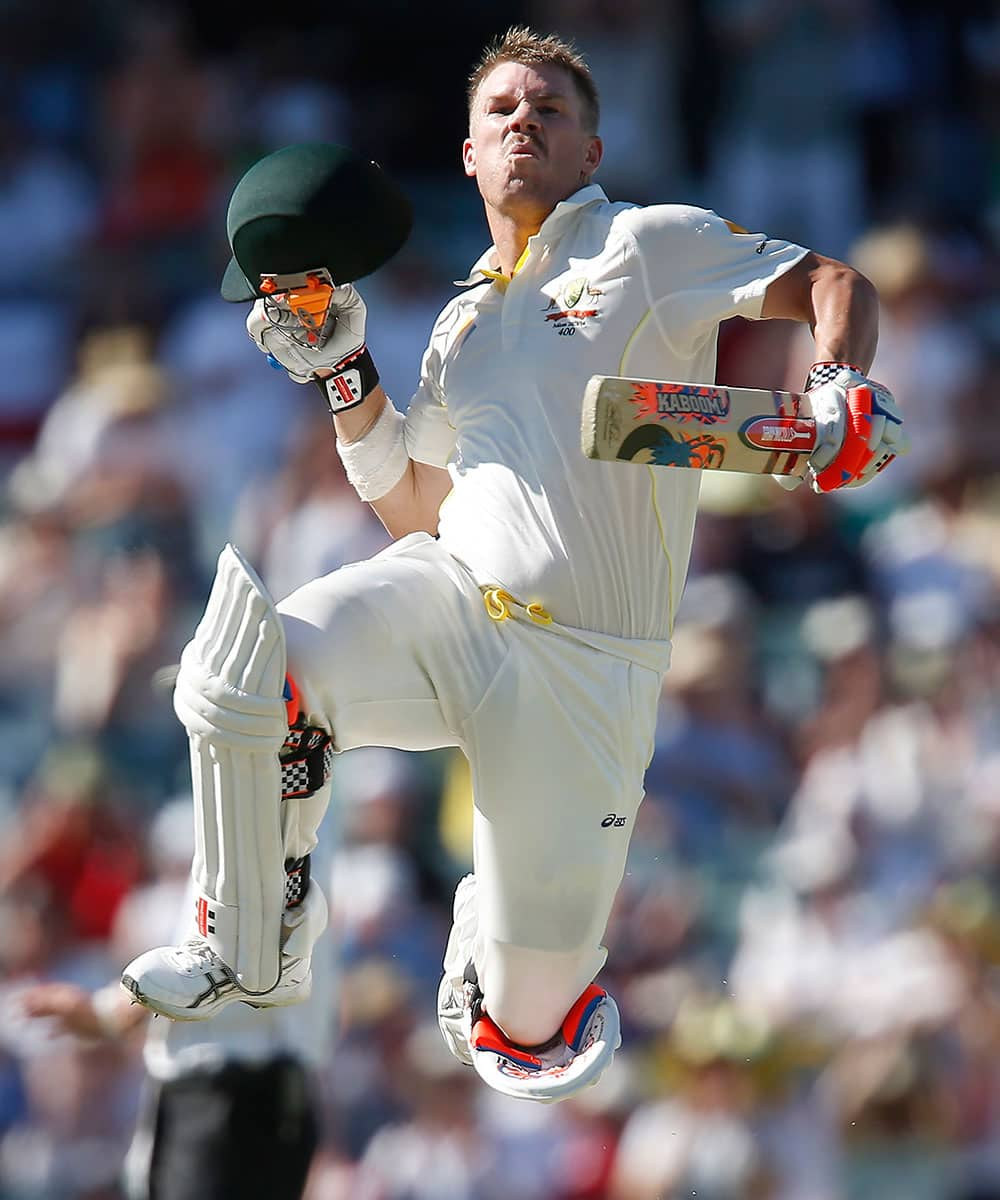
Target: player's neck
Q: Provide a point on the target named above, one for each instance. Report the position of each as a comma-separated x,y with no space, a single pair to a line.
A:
511,232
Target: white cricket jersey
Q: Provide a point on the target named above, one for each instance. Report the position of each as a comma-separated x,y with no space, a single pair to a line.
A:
602,289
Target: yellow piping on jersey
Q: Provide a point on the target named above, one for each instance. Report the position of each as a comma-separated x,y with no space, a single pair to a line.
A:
500,605
460,333
666,552
631,338
652,487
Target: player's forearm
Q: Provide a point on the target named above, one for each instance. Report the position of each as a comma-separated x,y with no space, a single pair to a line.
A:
840,305
108,1013
845,322
404,494
353,424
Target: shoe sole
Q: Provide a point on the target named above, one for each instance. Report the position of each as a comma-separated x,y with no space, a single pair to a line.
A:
162,1008
204,1012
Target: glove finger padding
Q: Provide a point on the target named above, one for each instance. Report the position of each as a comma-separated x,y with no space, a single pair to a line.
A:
893,441
893,435
829,409
269,339
872,437
273,329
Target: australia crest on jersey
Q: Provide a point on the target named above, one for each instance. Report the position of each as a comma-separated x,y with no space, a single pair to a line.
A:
576,304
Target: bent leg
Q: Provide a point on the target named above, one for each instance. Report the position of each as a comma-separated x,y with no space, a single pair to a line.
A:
259,792
559,747
229,698
396,650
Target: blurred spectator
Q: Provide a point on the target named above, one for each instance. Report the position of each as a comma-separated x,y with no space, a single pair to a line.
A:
375,888
166,115
47,217
637,49
38,590
776,123
434,1154
403,298
927,356
305,521
225,397
699,1138
229,1106
73,846
108,419
293,98
47,211
716,766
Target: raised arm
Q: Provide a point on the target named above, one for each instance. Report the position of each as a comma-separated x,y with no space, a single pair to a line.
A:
371,432
405,494
839,304
858,421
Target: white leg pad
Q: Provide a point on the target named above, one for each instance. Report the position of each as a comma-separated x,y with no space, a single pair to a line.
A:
229,698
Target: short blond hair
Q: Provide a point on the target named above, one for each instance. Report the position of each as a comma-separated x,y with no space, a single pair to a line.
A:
522,45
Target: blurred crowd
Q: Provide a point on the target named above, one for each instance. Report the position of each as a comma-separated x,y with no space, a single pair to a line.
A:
806,945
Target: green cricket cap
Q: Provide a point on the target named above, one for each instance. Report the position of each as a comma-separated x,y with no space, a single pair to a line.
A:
310,205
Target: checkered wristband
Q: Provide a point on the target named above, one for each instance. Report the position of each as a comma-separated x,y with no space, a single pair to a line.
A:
825,372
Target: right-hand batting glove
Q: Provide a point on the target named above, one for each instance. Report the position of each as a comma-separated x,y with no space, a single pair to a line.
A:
342,367
858,424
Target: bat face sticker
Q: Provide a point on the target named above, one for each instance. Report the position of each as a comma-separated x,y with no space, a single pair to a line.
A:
657,447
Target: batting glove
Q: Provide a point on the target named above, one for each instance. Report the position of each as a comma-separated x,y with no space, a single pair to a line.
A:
858,424
348,372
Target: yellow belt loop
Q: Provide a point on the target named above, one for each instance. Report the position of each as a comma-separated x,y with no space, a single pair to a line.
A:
500,603
538,614
497,602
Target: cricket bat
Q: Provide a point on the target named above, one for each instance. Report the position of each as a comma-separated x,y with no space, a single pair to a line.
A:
699,426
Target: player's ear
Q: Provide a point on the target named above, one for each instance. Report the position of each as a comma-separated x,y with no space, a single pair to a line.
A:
593,155
469,156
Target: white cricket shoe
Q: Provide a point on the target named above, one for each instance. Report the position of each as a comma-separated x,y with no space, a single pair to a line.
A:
456,995
455,1006
574,1059
190,982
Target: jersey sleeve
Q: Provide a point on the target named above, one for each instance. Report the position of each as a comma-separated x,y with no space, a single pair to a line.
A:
700,269
428,434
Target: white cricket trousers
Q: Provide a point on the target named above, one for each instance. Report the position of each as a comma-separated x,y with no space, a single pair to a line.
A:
557,725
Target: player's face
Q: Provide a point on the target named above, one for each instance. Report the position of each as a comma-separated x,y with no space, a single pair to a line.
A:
528,147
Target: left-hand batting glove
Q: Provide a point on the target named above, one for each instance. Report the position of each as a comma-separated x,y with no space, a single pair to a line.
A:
345,355
858,424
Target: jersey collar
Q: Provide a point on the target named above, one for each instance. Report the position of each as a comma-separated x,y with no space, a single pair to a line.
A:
487,266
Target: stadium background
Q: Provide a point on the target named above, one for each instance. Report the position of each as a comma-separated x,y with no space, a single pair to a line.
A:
806,944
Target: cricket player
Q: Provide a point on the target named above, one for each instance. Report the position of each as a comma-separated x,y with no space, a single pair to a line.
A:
523,612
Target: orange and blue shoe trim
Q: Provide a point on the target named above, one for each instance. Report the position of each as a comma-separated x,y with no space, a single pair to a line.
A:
487,1035
578,1017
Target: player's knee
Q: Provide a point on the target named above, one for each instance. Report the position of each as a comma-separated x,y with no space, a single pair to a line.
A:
308,657
230,676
